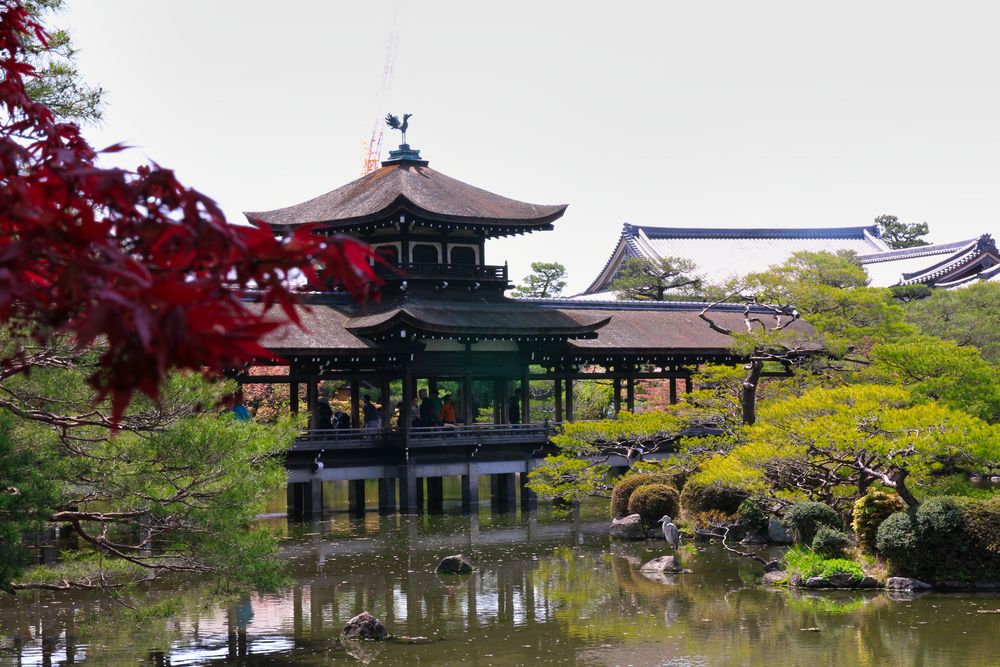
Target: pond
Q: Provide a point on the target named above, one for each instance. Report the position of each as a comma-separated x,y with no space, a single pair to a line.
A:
549,590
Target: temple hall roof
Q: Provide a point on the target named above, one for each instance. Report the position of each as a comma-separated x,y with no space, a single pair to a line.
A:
723,253
593,329
413,187
940,265
499,319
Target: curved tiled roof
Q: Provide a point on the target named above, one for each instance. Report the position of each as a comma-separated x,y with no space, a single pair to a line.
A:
726,252
501,319
414,187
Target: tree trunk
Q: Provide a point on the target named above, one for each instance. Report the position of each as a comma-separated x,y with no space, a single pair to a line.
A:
748,393
898,478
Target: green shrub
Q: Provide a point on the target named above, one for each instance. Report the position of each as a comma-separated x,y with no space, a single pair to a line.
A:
808,563
652,501
869,512
697,498
830,542
944,539
897,540
753,513
623,490
805,518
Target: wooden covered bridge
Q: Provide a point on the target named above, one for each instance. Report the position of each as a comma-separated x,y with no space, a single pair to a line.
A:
443,323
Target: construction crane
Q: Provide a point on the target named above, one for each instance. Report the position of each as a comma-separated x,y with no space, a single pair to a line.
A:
373,151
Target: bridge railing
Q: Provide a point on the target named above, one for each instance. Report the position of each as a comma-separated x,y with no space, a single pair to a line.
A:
426,436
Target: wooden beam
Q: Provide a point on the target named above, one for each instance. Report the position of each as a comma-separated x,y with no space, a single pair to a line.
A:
558,384
569,399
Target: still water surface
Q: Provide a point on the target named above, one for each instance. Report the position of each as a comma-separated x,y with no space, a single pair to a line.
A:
548,591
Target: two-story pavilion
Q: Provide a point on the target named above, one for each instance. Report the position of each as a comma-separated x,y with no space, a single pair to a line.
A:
443,321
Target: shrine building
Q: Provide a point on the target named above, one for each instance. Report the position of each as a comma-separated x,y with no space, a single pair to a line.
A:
443,323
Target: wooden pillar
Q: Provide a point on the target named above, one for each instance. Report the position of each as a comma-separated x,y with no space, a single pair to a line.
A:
293,508
435,495
314,507
420,494
406,414
687,385
470,491
630,394
529,499
616,397
387,495
293,397
304,499
356,496
386,400
569,400
557,391
503,492
408,490
355,403
673,391
312,401
499,404
404,243
525,398
467,416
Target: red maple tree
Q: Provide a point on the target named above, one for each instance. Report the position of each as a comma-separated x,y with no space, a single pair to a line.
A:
134,260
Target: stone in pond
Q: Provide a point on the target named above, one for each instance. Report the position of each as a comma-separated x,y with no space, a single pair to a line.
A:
906,584
628,528
662,565
457,564
364,626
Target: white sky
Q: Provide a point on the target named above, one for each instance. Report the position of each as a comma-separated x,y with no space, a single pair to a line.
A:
662,113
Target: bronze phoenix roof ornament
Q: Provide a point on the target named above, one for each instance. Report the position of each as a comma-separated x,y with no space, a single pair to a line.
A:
393,122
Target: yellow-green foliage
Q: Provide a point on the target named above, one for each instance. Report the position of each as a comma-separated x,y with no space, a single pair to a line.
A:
585,438
869,512
652,502
943,371
889,426
568,479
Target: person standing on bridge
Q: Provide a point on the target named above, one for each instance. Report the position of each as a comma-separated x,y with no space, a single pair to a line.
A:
514,408
373,420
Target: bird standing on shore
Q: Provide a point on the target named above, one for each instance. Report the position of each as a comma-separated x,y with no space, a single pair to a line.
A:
670,532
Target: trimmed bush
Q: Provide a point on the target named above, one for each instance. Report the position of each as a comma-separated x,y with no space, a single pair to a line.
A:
804,519
652,501
753,513
623,490
697,498
830,542
869,513
944,539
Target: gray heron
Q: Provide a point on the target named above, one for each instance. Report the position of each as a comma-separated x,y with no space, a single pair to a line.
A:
670,532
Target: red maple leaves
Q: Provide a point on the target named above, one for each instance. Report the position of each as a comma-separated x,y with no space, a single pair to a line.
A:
135,260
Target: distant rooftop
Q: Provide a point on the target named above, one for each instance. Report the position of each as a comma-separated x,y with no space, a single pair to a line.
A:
723,253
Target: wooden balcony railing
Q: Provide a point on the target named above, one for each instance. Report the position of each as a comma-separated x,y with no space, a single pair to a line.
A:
426,436
433,270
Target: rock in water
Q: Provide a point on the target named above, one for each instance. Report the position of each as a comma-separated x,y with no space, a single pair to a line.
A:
906,584
364,626
663,564
457,564
777,533
628,528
